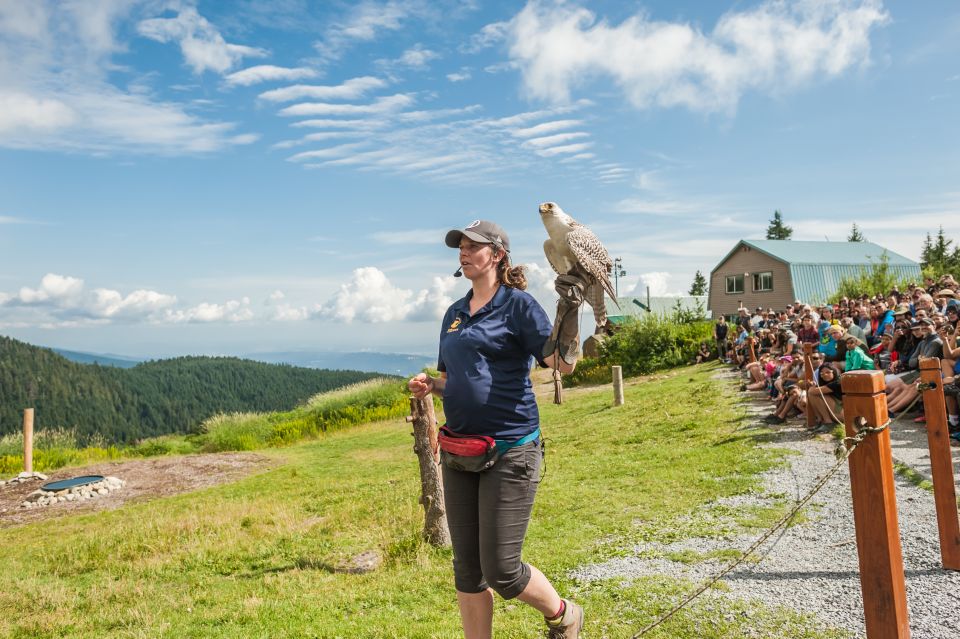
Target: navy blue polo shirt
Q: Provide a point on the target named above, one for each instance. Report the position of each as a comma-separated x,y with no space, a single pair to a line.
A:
487,359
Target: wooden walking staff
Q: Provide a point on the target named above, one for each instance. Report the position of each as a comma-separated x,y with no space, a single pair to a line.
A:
875,508
941,464
425,445
808,377
28,440
753,353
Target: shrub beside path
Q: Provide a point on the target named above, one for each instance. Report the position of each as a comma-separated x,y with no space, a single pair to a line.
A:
812,568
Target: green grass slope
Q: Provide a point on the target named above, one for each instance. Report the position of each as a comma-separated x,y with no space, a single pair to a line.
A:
261,557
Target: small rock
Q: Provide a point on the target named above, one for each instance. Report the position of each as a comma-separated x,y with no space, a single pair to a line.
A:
71,497
24,475
40,476
103,491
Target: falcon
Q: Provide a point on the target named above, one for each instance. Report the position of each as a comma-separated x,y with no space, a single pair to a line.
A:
572,248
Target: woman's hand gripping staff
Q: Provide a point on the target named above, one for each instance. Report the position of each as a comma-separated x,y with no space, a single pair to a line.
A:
562,348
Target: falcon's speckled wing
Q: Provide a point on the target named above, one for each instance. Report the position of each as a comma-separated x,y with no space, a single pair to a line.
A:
592,256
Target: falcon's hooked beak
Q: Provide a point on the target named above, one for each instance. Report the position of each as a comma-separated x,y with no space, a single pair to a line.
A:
547,208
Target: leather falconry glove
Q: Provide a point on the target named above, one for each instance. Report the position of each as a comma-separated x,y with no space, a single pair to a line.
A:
565,337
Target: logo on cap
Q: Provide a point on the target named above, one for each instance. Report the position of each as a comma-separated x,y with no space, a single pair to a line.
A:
473,224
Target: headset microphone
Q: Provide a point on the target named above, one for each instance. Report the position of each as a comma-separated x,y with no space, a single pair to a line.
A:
459,272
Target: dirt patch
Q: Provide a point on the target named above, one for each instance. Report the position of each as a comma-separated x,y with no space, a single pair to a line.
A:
146,479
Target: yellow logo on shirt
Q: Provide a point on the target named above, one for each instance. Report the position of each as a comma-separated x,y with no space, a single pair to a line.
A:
455,326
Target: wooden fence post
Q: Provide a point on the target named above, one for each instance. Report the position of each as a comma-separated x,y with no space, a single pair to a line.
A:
28,440
875,508
941,464
808,376
617,385
435,529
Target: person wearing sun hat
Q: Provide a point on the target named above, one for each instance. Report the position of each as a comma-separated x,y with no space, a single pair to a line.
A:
491,445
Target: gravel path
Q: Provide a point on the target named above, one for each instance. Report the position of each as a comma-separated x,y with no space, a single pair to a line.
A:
813,568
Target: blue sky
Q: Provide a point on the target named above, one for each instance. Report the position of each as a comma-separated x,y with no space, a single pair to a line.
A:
231,177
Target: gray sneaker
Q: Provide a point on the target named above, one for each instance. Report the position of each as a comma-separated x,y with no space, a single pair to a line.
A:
570,623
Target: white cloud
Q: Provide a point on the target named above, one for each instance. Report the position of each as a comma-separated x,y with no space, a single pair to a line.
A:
658,281
329,152
65,298
385,104
19,112
487,37
546,127
329,123
53,287
107,303
772,47
553,140
370,297
350,90
62,300
202,45
58,87
566,148
268,73
460,76
365,22
417,57
231,311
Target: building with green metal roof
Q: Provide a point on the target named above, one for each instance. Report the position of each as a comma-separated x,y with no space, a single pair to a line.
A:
774,273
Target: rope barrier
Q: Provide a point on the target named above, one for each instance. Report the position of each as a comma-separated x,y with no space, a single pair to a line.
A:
844,449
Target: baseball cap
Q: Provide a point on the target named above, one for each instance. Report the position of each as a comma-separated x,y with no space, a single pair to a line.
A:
902,309
920,323
481,231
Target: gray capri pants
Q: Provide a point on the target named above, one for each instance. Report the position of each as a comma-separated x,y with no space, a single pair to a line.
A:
488,513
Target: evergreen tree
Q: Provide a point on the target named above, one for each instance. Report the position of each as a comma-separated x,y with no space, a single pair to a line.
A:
856,235
926,253
777,229
699,286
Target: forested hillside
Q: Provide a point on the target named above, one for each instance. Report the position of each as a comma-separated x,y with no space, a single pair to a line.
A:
154,398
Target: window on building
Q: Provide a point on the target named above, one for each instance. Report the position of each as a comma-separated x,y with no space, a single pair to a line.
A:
734,283
762,282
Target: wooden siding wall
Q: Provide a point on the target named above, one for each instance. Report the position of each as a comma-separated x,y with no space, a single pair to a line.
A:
748,260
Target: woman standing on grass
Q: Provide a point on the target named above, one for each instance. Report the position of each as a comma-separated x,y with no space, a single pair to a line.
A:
488,340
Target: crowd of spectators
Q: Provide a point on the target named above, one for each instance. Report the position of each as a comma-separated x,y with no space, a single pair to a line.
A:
888,333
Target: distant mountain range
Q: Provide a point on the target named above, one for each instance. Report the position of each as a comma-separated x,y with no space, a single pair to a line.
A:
366,361
116,361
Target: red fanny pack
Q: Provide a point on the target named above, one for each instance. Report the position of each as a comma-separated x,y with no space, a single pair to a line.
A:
464,445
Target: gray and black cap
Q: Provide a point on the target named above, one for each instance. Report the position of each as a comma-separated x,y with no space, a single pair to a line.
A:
480,231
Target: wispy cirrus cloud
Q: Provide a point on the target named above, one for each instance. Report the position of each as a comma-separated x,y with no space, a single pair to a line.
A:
776,46
351,89
268,73
384,104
